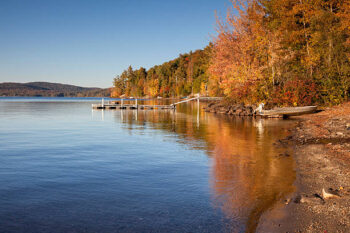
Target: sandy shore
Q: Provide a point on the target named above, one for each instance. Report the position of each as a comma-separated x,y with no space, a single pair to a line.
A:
321,145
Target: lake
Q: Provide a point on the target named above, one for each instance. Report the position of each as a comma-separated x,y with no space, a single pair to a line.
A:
67,168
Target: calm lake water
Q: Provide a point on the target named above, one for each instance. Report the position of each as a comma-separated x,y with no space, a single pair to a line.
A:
66,168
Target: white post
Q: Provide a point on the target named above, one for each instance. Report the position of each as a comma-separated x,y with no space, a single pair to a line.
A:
136,103
103,102
122,102
198,112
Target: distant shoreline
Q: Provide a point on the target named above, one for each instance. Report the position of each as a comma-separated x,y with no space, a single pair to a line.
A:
46,89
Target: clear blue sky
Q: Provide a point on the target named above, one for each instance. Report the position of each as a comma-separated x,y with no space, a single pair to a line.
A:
88,42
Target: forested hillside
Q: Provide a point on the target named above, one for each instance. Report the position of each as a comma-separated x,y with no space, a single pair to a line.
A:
50,89
283,52
180,77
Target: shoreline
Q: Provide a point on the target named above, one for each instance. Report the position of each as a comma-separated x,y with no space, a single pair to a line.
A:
321,145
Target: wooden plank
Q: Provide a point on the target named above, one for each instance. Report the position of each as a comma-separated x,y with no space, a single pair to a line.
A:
185,101
211,98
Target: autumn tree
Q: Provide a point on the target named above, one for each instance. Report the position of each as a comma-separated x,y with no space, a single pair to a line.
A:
287,52
182,76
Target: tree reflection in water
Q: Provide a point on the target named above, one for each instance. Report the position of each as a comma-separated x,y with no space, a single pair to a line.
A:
247,175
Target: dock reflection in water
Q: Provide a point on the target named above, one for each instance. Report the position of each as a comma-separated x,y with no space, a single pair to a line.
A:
248,174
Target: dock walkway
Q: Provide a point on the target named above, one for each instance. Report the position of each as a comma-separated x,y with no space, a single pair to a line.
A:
120,104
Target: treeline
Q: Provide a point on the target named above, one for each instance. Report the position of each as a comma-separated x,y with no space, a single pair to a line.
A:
182,76
50,90
283,52
286,52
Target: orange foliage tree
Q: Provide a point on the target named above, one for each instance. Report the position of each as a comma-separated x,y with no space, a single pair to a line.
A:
239,51
264,47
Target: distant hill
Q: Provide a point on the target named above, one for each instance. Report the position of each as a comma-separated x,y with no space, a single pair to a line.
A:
50,89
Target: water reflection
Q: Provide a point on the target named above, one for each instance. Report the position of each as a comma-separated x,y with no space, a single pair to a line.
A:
247,175
67,169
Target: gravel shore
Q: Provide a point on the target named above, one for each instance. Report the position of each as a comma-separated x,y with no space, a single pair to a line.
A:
321,145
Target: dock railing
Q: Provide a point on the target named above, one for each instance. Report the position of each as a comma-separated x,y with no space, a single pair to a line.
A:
136,105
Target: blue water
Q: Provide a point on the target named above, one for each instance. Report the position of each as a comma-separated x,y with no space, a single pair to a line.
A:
66,168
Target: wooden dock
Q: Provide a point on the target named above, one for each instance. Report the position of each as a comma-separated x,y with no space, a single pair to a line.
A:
131,106
120,104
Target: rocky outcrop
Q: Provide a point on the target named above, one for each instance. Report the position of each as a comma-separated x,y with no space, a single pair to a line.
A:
236,109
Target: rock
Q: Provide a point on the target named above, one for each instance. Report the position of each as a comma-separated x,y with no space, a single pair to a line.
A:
348,126
235,109
340,134
287,201
242,113
298,199
211,104
330,193
284,155
314,199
